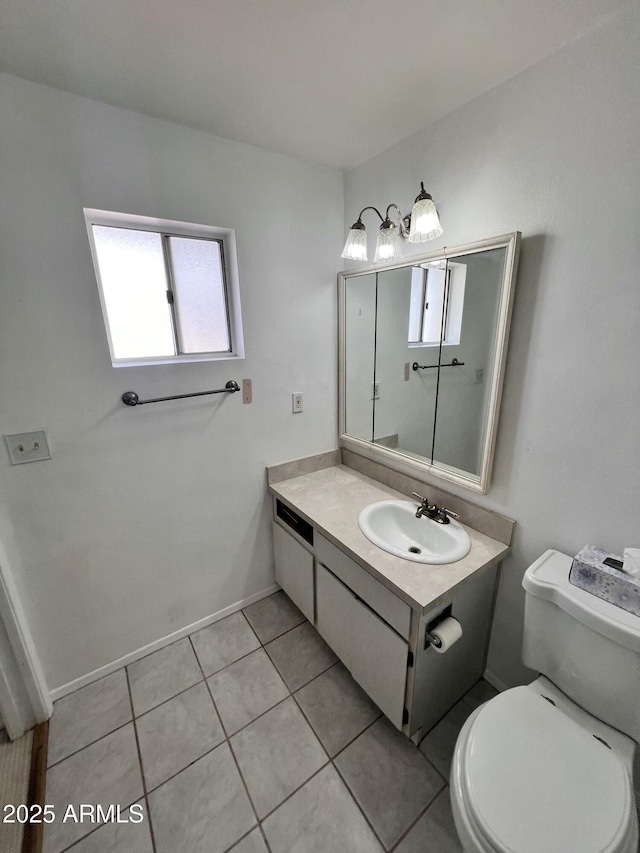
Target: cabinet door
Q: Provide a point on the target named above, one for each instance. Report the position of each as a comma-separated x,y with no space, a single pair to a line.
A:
294,570
374,654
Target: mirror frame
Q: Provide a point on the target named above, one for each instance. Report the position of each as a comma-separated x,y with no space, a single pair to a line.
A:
398,459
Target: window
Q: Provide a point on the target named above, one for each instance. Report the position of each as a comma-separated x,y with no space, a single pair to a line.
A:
169,290
436,303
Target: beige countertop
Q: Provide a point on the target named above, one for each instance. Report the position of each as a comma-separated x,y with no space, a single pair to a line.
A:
331,500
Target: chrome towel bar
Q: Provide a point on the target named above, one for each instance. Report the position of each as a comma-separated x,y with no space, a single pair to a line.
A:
454,363
130,398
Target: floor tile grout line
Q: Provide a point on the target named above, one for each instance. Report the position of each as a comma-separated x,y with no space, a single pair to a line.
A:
164,701
315,773
86,746
288,631
251,628
144,781
418,818
133,717
306,682
336,769
315,677
233,756
95,829
352,794
243,837
228,738
186,767
423,811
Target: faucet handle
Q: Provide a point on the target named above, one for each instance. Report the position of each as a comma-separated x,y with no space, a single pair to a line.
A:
420,498
447,512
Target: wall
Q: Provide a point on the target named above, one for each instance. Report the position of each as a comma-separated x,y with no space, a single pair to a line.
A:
553,153
150,519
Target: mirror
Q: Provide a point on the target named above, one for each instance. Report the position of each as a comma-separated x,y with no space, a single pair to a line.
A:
422,354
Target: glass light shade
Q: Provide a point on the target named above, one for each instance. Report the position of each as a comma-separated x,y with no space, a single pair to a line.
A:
425,222
387,247
355,249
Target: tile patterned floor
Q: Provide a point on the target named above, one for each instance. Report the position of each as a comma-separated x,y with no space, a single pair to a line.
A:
248,737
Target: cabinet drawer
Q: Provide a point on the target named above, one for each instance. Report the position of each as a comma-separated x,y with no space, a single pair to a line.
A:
373,653
393,610
294,570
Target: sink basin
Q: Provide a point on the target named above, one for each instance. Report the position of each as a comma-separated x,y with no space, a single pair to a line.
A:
393,526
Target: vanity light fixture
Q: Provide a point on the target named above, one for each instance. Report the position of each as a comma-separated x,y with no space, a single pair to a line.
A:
422,224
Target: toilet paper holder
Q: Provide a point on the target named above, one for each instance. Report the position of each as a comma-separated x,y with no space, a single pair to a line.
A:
429,638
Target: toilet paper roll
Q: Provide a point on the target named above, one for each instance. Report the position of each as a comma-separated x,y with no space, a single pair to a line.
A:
631,562
447,632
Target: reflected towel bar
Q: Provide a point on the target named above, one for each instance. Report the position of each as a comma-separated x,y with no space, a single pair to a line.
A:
454,363
130,398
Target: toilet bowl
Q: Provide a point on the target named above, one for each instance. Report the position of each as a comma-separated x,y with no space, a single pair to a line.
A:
534,773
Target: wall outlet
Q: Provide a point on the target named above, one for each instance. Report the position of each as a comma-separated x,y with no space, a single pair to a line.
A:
375,390
28,447
296,402
247,393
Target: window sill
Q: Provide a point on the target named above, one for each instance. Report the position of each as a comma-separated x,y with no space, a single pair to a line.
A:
177,359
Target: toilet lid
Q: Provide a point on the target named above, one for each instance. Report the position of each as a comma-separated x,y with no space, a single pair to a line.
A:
535,780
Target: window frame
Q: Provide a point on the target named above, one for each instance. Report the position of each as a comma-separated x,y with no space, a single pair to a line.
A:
172,228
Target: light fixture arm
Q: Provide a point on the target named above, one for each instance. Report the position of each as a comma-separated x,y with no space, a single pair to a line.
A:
369,208
405,222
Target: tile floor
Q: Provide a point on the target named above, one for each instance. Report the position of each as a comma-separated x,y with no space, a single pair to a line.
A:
248,736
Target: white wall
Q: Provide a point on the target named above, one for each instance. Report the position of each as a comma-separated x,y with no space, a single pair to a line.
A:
553,152
149,519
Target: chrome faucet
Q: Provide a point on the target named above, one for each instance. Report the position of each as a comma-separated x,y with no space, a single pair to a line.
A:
436,513
424,508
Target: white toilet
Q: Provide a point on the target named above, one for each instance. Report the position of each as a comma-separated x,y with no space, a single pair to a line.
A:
547,768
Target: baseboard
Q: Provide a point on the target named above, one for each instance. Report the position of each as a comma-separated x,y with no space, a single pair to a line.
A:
494,681
108,668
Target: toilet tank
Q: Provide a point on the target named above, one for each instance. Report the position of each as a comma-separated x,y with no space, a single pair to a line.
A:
587,647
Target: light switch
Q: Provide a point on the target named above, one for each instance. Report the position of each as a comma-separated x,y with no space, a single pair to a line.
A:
247,393
28,446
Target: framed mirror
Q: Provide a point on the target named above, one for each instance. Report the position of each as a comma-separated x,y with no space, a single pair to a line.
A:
422,349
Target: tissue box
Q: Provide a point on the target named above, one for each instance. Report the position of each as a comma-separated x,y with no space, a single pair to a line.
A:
589,573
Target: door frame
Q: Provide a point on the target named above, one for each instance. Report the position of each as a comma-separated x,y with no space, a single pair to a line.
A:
25,699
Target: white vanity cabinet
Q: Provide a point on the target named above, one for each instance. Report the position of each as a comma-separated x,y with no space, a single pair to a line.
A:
294,570
373,653
378,636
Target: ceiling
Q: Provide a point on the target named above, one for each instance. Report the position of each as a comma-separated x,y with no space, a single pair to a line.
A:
333,81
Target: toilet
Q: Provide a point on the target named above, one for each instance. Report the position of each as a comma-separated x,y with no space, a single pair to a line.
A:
548,768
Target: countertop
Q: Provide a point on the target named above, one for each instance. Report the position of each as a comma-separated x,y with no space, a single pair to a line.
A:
331,500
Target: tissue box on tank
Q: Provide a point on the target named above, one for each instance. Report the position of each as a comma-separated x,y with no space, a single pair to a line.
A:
589,573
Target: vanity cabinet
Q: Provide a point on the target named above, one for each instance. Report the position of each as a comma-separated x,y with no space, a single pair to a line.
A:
379,637
294,570
373,653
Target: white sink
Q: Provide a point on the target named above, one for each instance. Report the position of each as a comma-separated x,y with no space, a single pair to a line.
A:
393,526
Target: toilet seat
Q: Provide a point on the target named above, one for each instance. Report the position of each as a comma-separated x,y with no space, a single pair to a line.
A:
529,779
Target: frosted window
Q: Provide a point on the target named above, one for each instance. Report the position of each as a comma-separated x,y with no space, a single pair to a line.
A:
169,290
134,288
199,292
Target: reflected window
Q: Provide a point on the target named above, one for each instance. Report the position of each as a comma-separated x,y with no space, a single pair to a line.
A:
436,304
